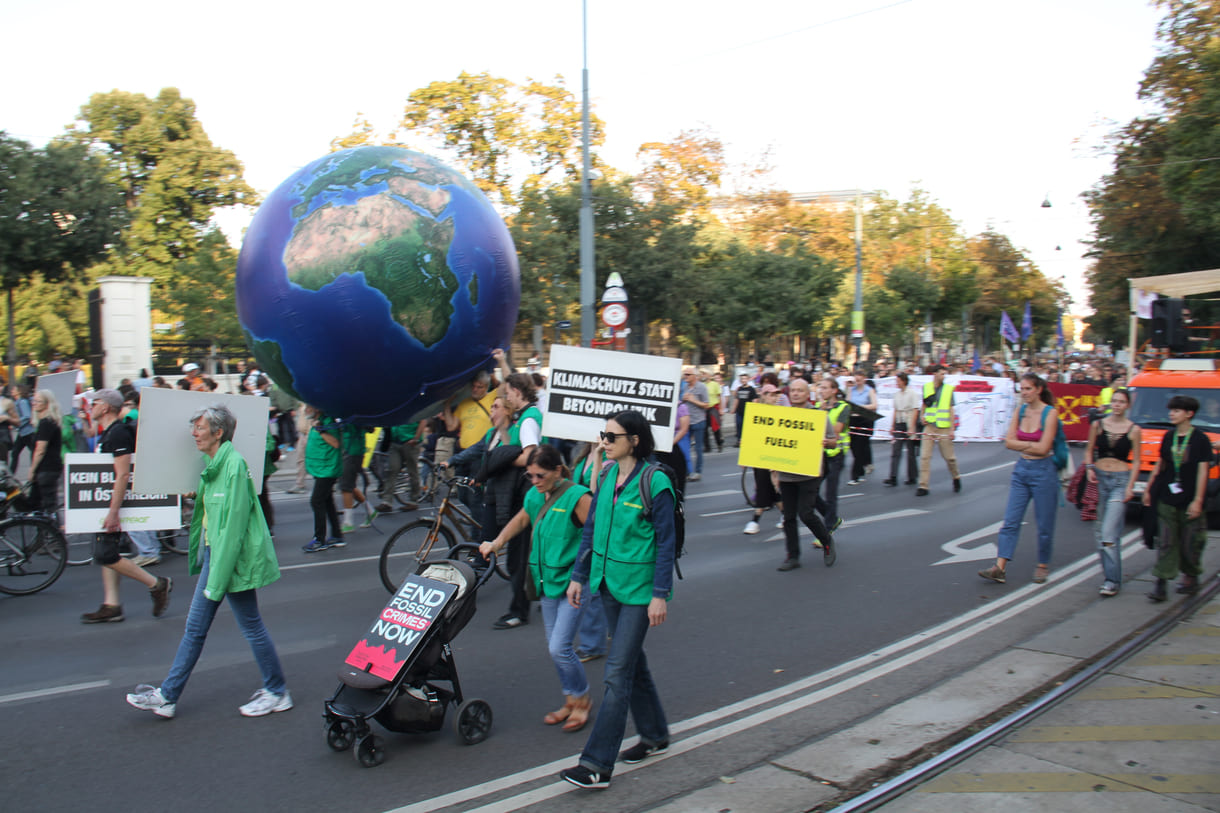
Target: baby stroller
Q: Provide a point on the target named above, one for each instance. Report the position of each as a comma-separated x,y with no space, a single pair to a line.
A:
390,676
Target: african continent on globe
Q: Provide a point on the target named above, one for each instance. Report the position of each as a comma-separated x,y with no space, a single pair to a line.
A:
375,282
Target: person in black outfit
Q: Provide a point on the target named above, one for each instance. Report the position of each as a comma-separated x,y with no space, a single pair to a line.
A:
47,467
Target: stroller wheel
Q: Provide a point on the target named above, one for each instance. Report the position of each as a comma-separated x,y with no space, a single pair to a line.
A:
340,734
369,751
473,721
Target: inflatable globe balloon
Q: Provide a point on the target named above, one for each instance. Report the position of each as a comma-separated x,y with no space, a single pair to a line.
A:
375,282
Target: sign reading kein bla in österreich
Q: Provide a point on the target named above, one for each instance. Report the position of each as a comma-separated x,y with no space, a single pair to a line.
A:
588,386
397,632
783,438
88,483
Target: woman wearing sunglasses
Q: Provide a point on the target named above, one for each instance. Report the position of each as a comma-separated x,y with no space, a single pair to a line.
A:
556,508
627,556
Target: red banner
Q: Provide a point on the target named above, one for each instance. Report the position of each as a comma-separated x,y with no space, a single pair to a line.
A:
1073,402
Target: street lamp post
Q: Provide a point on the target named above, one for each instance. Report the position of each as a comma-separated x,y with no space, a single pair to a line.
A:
587,279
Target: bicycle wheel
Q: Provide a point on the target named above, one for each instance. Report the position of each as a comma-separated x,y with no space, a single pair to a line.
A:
401,555
33,554
747,486
178,540
80,549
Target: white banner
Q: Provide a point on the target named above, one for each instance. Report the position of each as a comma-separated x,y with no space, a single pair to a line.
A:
166,458
588,386
88,482
982,404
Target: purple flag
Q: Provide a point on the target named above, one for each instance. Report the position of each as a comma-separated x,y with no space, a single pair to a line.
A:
1007,329
1027,323
1059,327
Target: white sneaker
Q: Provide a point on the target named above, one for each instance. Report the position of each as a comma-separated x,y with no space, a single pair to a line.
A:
264,702
146,561
752,527
149,698
694,477
780,525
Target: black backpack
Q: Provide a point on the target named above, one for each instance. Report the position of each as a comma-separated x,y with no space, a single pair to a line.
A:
650,468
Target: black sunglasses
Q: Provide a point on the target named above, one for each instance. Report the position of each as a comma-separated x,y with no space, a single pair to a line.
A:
612,437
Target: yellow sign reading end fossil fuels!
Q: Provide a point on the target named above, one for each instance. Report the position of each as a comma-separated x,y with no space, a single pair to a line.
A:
783,439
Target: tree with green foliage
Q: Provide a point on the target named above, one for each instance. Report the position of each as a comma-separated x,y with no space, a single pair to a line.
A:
644,242
58,214
203,292
494,126
1158,212
172,177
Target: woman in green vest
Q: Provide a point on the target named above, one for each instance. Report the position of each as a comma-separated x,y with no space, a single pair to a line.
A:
556,508
324,463
626,555
526,432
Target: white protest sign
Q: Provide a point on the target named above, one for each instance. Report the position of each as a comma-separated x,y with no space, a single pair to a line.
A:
166,458
88,481
62,386
588,386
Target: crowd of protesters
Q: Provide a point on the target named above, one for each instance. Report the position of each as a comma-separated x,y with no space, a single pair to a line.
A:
602,584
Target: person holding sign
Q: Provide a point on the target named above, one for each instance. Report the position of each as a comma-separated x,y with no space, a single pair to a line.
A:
231,550
556,508
799,493
118,441
627,555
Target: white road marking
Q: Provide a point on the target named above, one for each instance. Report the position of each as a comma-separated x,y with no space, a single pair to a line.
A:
960,554
972,623
54,690
690,496
851,523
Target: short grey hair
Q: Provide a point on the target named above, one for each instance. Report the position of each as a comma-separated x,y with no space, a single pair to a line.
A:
219,418
483,377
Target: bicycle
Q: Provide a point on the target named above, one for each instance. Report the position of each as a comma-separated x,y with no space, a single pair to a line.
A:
33,552
402,482
748,488
411,546
178,540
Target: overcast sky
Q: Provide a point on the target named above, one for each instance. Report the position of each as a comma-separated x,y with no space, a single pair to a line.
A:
990,107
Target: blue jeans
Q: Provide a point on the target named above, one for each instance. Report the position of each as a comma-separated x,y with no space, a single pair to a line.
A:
146,543
1111,511
560,619
832,470
1036,480
591,639
698,437
199,620
629,687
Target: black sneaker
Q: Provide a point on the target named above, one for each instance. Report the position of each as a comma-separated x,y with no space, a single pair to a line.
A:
957,485
508,622
828,553
789,564
838,522
641,751
1157,594
921,492
582,777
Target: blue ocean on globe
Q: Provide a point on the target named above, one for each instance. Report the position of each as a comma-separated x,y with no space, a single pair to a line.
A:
375,282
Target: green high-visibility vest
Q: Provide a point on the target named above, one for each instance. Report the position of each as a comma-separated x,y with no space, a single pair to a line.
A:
940,414
837,416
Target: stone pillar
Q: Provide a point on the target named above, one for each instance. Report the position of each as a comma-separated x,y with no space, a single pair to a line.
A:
126,327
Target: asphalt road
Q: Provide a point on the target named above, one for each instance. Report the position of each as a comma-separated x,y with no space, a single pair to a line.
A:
740,663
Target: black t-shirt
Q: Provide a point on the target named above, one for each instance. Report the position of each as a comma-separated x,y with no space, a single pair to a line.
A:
117,440
53,459
745,394
1196,450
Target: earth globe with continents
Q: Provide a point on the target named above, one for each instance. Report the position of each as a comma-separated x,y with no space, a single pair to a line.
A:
375,282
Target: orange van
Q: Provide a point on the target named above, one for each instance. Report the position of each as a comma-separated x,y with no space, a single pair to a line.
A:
1151,390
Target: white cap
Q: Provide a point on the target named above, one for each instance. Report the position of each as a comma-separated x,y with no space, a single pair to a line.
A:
190,367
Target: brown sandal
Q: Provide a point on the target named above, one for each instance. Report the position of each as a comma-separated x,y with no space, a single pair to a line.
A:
559,715
1041,574
581,706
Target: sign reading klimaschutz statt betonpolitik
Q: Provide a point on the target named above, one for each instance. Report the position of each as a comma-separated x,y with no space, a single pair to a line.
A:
588,386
